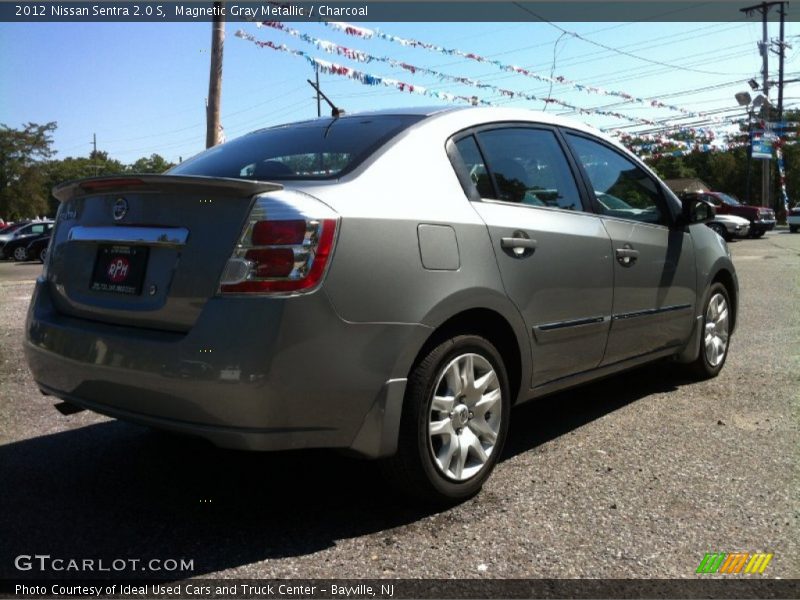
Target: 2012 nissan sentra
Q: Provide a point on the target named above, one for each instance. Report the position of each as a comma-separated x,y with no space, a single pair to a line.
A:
389,283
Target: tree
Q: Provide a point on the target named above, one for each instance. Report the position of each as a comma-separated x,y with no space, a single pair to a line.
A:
155,163
673,167
22,179
71,168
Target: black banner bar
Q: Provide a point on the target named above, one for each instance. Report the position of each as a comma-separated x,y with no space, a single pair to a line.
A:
275,589
380,11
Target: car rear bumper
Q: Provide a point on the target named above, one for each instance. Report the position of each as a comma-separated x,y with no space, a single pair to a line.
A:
253,373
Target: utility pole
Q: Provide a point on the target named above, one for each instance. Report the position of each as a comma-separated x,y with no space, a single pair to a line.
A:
763,47
95,166
781,55
215,76
316,78
780,201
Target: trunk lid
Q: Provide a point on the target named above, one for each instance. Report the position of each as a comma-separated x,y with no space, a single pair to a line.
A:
145,250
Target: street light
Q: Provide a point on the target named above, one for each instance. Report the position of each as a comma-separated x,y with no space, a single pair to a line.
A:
744,99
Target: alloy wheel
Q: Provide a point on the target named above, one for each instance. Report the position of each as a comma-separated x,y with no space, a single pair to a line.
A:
465,417
717,329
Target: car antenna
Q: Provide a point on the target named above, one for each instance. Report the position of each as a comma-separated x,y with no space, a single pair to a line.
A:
336,112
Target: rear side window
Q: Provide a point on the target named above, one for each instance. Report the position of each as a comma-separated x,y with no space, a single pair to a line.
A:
476,168
320,149
523,165
622,188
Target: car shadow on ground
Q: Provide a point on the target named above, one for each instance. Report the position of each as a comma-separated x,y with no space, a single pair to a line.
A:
113,490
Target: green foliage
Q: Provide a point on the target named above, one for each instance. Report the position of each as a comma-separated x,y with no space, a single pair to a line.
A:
722,171
29,171
155,163
674,167
22,179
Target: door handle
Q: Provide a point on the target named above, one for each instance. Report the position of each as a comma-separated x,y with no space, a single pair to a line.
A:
518,242
626,255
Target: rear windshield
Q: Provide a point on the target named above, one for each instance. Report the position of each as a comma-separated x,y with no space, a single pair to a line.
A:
320,149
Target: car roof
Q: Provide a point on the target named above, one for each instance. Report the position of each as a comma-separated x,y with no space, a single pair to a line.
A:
462,116
413,111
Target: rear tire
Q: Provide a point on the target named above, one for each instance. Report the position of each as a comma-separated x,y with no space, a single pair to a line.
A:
454,422
715,339
792,228
43,255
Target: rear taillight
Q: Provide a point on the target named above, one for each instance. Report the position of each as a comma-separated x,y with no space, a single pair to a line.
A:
285,247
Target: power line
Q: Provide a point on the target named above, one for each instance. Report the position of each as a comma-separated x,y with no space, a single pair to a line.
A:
609,48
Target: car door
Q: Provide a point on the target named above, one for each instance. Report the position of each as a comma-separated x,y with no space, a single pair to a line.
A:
554,256
654,266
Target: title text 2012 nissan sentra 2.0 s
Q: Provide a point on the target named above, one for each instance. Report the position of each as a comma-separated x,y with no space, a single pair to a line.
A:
391,283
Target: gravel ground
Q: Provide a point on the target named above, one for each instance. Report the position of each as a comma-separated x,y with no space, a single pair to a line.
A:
636,476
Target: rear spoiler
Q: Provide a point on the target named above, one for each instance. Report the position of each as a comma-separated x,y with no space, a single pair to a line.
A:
161,183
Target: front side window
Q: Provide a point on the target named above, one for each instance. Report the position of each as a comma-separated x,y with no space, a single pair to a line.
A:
529,167
622,188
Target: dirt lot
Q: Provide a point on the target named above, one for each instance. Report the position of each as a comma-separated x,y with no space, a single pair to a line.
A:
636,476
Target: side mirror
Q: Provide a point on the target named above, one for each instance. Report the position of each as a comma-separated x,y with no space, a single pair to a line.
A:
697,211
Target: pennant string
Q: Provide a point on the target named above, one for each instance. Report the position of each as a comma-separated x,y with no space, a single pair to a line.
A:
361,77
364,57
364,33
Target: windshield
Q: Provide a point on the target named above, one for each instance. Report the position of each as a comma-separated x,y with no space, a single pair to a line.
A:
320,149
728,199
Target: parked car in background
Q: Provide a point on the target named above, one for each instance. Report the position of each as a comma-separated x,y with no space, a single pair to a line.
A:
761,219
389,283
8,231
37,249
793,218
730,226
16,247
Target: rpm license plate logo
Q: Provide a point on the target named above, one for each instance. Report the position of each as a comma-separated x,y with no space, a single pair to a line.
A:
118,269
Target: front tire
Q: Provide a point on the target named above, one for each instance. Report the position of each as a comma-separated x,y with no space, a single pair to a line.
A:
716,332
721,231
454,422
20,254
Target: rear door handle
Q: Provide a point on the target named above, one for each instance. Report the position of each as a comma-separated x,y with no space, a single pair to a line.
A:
518,242
626,255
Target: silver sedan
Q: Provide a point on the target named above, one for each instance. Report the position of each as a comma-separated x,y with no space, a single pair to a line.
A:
388,283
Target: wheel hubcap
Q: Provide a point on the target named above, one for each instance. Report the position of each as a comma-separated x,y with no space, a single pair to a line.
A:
717,327
19,253
465,416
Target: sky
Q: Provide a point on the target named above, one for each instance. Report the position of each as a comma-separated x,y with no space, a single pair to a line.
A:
141,87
